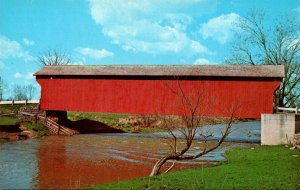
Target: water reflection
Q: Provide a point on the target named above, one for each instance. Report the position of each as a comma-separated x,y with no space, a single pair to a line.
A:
79,161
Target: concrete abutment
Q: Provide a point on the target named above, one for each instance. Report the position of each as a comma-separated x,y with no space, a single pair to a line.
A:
281,128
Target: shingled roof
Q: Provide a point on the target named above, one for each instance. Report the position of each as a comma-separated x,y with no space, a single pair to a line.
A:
164,70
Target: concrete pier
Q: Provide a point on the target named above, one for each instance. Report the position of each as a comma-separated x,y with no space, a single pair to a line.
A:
279,128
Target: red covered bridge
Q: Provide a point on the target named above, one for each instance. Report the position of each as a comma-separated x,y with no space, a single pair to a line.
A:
138,89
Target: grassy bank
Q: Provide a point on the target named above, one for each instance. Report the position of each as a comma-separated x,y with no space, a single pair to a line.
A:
260,168
40,129
6,109
10,125
115,121
8,121
137,123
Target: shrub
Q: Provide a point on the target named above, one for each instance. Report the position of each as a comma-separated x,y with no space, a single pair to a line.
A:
39,128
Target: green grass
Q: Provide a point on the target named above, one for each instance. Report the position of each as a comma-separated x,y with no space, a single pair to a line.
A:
259,168
8,120
39,128
4,109
110,119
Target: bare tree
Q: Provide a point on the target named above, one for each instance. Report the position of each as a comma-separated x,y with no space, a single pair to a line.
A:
1,88
25,92
29,91
277,44
19,92
186,124
54,57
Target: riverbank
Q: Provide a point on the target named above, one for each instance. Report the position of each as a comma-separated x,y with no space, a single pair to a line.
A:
137,123
12,129
87,122
262,167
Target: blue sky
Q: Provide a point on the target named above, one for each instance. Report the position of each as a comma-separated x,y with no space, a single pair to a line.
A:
122,32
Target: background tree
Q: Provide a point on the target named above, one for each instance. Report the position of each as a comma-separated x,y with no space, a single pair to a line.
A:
1,88
186,125
53,58
277,43
25,92
29,91
19,92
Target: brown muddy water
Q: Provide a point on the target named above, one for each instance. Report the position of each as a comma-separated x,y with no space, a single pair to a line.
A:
55,162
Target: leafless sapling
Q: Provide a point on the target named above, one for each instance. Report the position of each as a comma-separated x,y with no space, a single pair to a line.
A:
186,125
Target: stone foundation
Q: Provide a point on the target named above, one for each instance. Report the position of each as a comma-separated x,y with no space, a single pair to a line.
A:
280,128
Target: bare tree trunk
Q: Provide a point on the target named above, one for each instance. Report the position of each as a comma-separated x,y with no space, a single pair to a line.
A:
190,120
156,168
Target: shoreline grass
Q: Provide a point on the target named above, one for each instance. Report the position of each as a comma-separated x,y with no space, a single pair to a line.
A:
11,124
265,167
4,120
135,123
40,129
112,120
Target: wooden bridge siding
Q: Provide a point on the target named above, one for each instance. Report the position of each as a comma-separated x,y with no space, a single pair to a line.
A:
152,96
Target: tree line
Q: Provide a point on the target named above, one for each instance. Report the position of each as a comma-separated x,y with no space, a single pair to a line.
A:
16,92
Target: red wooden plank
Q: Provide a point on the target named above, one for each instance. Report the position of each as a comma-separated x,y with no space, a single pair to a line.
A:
153,97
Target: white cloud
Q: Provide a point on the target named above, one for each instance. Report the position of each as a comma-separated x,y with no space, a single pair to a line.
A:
138,26
18,75
177,21
94,53
28,42
202,61
29,76
11,48
297,10
220,28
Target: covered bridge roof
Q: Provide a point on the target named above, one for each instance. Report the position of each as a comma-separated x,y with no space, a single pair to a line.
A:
271,71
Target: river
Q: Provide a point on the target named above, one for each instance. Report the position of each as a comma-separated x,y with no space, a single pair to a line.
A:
61,162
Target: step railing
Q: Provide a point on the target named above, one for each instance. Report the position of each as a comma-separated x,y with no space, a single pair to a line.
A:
40,117
55,128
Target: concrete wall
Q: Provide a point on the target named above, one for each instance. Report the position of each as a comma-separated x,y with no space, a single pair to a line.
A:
279,129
